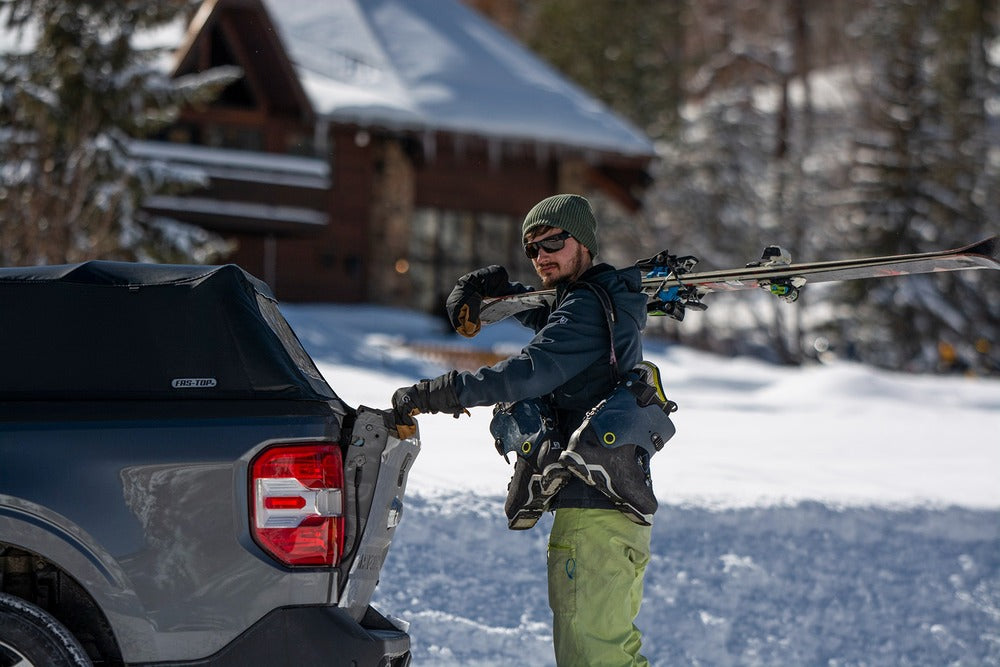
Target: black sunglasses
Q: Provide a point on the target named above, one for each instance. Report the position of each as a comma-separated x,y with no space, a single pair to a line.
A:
552,243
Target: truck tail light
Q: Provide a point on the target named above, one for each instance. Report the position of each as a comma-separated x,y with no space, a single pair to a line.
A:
297,502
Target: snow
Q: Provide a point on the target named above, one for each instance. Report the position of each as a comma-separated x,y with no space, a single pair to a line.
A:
313,172
436,64
833,514
34,622
421,65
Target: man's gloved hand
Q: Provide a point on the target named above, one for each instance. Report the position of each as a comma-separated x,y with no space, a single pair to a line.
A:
427,396
466,298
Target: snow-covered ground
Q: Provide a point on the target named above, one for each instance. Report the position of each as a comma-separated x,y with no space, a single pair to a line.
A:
833,514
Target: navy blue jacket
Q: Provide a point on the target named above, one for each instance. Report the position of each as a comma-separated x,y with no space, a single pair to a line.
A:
568,360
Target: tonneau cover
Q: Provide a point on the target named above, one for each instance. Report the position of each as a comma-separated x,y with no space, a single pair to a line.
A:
119,330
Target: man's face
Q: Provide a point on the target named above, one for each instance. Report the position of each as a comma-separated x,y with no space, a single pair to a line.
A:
559,266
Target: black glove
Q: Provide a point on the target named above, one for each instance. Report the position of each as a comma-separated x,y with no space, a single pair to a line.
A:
427,396
467,297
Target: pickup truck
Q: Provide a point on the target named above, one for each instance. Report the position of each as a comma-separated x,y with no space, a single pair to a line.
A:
178,483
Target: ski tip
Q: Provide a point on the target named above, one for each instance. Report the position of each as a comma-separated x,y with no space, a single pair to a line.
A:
989,247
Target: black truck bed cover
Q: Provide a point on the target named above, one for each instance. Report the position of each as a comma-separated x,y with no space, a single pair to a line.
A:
77,332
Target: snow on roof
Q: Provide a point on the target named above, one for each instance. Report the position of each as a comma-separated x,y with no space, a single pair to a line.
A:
309,172
423,65
437,65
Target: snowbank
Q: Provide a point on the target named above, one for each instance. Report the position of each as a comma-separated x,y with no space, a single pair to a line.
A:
831,515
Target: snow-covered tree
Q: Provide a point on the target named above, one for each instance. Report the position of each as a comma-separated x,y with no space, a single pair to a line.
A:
734,178
905,160
75,89
628,53
925,176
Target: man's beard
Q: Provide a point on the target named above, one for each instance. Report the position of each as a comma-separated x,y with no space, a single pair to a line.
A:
570,270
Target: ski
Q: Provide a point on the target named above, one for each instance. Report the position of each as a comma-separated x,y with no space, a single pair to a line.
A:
672,287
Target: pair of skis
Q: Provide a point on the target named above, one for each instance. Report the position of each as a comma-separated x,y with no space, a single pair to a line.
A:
671,286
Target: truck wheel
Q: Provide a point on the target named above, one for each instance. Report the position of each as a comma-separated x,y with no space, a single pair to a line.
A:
31,637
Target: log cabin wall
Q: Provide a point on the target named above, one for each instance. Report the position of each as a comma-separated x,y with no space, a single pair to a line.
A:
332,265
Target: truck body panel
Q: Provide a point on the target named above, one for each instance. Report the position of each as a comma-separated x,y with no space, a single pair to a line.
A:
136,400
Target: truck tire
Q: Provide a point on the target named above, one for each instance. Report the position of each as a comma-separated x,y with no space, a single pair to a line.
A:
31,637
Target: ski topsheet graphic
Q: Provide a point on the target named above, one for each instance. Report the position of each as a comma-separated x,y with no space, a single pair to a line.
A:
672,287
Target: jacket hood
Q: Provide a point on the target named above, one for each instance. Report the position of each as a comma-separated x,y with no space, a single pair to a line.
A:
625,288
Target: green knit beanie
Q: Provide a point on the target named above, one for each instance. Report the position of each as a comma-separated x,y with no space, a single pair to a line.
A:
571,213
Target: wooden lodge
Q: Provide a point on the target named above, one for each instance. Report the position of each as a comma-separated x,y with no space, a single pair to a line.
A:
374,150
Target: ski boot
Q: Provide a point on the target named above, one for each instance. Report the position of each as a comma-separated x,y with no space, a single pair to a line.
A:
620,473
528,428
535,482
612,447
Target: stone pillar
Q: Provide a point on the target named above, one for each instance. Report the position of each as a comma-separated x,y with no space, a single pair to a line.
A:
392,210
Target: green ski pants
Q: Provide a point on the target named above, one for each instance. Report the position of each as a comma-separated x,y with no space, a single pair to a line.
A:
596,561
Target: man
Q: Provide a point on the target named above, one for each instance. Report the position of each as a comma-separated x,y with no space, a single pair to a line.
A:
596,555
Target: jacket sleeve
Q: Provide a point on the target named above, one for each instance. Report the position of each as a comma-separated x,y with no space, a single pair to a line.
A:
573,338
535,318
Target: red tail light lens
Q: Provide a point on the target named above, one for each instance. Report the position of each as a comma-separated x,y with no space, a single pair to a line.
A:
296,493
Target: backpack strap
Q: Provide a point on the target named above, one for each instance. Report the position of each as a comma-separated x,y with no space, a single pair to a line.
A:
610,316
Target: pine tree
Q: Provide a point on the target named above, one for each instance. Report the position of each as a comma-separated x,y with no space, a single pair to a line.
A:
75,90
924,179
628,53
733,180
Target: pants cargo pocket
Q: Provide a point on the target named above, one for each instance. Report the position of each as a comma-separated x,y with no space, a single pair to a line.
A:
562,578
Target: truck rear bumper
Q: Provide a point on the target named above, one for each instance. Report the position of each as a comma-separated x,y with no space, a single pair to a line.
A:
292,636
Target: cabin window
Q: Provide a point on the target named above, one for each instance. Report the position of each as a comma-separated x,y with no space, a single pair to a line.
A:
444,244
